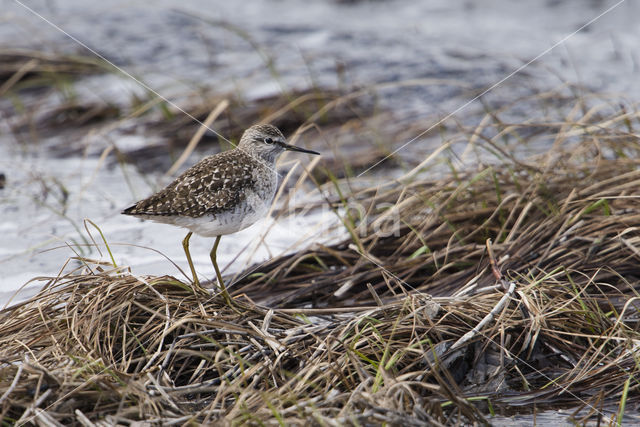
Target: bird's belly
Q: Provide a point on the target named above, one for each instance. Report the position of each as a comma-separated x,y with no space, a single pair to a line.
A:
253,208
222,223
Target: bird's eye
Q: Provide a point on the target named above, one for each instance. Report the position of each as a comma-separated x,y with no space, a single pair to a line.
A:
268,140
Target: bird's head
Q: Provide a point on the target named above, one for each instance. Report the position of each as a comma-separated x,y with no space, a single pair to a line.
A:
267,142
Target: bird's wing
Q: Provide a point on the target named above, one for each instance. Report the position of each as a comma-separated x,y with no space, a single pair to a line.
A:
211,186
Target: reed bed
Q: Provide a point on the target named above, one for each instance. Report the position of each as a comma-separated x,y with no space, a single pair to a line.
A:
509,288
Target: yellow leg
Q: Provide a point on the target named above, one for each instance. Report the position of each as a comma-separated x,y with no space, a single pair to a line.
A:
225,294
185,245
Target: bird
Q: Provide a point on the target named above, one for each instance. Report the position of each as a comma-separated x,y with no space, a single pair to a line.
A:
222,193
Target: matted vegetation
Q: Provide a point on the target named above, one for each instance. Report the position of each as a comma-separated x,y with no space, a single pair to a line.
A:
509,288
33,69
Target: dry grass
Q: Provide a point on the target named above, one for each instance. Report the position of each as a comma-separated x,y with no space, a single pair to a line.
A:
510,286
533,269
31,69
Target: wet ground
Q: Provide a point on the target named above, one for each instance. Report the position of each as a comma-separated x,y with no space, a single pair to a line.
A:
261,49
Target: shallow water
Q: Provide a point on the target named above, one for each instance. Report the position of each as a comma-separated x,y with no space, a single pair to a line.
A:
174,49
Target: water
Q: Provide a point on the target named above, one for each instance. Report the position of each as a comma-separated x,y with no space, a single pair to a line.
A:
226,45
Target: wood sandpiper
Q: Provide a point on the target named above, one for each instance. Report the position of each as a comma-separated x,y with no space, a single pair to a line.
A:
221,194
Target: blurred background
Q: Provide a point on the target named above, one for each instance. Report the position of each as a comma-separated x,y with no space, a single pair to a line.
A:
99,101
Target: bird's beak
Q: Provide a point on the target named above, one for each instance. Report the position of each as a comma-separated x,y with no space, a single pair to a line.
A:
302,150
